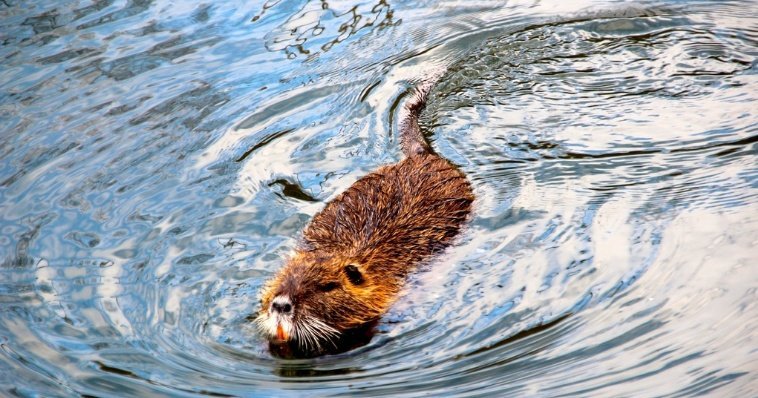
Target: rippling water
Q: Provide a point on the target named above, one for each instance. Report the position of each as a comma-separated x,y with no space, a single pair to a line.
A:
158,159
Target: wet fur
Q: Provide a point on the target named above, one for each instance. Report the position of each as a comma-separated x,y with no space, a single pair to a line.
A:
383,226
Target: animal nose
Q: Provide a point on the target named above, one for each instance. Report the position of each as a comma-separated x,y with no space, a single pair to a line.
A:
281,305
283,308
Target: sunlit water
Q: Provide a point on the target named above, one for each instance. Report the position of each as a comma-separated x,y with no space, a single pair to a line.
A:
158,160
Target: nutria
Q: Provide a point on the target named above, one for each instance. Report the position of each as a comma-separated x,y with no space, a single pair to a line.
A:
355,255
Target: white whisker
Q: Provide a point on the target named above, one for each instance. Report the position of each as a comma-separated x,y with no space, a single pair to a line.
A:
311,332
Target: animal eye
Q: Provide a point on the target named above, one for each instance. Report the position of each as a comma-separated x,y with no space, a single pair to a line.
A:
328,287
353,274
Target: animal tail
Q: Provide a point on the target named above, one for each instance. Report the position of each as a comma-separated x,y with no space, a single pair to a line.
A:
412,140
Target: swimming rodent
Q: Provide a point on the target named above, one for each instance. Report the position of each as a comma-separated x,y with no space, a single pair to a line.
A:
355,255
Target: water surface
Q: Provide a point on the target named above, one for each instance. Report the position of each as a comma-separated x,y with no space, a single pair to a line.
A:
158,161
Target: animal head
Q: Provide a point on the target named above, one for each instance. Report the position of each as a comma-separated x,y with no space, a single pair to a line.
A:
313,300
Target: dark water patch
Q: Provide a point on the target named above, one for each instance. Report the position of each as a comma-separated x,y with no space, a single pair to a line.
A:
293,190
131,8
263,142
84,239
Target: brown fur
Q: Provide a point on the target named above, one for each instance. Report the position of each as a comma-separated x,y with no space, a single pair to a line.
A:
383,226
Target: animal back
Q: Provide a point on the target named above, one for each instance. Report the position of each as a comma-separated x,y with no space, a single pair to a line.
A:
409,211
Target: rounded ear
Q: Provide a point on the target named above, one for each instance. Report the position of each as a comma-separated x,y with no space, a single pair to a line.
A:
353,274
